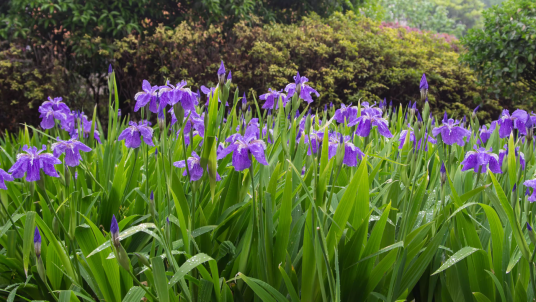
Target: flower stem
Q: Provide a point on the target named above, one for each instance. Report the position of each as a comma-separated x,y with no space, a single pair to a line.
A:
130,177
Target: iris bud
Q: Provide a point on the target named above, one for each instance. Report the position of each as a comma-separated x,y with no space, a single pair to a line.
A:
37,242
114,230
423,87
221,74
244,102
443,172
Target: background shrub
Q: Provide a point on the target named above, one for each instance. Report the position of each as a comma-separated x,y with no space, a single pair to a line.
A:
346,57
503,52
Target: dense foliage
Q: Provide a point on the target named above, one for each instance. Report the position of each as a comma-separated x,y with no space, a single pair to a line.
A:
79,36
346,57
423,14
466,12
502,53
443,16
225,201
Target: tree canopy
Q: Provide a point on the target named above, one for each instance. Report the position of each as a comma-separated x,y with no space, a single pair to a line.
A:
503,51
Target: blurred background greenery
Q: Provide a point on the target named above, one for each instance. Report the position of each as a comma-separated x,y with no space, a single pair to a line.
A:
473,51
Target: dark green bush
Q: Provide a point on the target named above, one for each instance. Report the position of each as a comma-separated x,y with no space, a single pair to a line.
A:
503,52
346,58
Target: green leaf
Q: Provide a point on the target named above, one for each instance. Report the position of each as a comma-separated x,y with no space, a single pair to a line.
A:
288,283
498,285
27,244
512,168
480,297
257,289
285,220
47,233
135,294
457,257
160,279
12,294
68,296
144,227
344,208
516,229
415,270
189,265
497,235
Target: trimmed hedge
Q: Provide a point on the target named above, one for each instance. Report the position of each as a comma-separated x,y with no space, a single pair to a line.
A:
345,57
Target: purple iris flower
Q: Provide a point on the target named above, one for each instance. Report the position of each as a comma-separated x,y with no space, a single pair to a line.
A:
316,141
271,131
533,118
271,96
32,162
114,230
194,166
242,149
414,107
383,104
4,176
304,91
220,148
253,127
423,86
72,149
481,158
37,242
49,115
529,124
86,129
303,120
450,133
179,93
351,152
221,73
56,104
195,121
485,133
531,184
509,122
370,109
443,173
369,119
229,76
132,134
110,70
148,95
403,134
475,110
71,122
504,152
345,113
209,92
221,70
